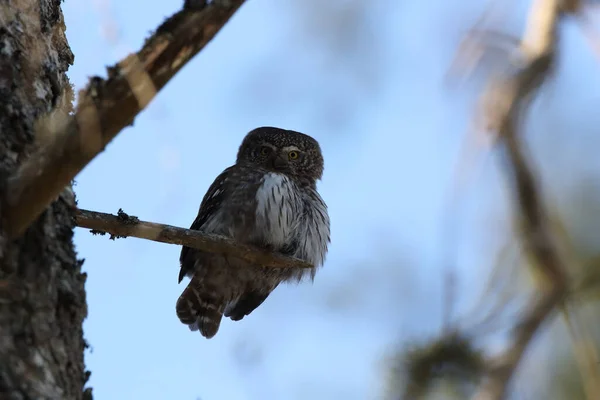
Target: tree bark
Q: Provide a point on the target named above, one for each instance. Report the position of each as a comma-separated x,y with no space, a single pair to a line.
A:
42,297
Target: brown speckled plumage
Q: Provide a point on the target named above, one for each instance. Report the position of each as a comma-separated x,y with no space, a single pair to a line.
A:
268,198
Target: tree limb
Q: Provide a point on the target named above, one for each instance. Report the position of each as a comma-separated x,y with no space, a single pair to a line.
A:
513,96
107,106
123,225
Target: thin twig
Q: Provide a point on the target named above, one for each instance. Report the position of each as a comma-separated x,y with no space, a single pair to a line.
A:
107,106
502,367
584,350
123,225
512,96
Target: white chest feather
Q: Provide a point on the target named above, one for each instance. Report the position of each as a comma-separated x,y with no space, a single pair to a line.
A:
313,233
287,215
277,209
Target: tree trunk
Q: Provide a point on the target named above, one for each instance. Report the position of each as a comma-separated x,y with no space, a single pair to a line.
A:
42,297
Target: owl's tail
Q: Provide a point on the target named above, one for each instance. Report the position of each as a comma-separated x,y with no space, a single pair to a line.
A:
201,308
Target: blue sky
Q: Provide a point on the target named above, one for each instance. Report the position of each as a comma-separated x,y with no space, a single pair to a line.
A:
366,79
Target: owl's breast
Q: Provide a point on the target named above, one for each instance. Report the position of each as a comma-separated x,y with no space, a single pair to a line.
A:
277,207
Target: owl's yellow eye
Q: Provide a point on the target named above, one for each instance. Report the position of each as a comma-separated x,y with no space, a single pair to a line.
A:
265,150
293,155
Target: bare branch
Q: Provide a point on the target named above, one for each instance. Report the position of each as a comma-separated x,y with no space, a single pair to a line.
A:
586,354
511,97
502,367
123,225
107,106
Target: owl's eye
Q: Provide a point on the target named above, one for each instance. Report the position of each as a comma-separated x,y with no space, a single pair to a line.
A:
265,150
293,155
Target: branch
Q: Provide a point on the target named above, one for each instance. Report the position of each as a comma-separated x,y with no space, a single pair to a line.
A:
123,225
107,106
511,98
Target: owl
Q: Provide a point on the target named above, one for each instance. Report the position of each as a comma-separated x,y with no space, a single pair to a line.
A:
268,199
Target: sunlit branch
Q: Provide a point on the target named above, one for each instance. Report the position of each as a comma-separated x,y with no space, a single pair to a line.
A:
512,96
105,107
123,225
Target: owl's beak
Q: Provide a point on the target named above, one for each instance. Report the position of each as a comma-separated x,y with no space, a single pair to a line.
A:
279,162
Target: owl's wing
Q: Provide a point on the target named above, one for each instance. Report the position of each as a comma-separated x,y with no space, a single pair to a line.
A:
210,203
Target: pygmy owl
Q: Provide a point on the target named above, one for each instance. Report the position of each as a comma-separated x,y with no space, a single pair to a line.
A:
268,199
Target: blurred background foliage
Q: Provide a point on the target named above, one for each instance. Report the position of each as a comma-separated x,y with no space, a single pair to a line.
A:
426,273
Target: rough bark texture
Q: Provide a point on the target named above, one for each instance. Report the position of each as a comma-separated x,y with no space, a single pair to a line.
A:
42,297
106,106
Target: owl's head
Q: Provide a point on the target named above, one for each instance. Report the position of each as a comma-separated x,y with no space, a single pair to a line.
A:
279,150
